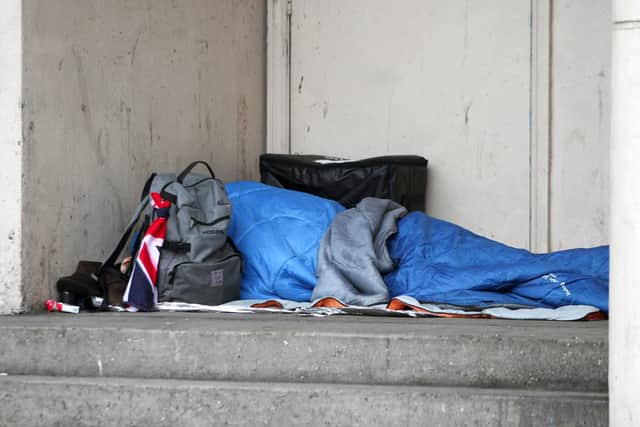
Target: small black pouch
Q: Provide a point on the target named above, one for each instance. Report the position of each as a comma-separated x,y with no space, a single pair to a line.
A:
80,285
83,284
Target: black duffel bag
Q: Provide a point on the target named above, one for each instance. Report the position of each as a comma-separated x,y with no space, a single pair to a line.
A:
402,179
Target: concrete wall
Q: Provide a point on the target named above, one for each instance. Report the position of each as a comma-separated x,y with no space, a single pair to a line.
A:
446,80
11,153
455,81
116,89
624,327
581,80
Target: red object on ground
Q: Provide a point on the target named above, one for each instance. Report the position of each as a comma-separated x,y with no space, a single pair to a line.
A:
52,305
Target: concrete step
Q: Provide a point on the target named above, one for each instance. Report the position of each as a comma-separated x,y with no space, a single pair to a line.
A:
294,349
55,401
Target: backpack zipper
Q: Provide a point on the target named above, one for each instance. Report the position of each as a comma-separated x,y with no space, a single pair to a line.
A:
214,222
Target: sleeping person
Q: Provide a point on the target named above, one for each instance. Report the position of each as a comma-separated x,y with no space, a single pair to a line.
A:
300,247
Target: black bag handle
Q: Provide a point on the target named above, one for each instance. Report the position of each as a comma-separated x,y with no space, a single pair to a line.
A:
186,171
166,195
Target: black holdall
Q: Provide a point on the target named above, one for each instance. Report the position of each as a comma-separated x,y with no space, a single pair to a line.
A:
402,179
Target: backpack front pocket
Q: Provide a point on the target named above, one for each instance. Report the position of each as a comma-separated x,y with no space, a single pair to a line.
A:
211,283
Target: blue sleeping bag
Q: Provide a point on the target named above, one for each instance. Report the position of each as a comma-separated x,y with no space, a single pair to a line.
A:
442,262
279,232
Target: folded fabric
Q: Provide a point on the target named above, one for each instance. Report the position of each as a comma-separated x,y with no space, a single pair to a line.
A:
141,292
353,253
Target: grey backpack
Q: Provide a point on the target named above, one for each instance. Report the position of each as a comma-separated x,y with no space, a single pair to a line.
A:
198,261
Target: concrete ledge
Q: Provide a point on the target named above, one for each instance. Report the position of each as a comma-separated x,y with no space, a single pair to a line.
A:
49,401
345,349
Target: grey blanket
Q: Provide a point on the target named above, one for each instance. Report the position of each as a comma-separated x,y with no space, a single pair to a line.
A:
353,253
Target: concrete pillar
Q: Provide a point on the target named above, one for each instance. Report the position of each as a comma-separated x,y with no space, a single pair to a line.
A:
11,155
624,368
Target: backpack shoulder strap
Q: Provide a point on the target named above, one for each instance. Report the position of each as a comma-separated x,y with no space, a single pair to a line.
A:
110,262
115,253
147,187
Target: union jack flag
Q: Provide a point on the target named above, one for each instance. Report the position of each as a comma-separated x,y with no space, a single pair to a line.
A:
141,293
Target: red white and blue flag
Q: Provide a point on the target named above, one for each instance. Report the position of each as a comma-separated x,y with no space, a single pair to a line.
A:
141,293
